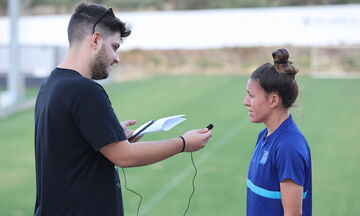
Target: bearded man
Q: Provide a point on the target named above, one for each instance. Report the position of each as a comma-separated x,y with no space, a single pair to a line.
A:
78,138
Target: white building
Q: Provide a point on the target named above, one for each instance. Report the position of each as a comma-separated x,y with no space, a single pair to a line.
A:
44,38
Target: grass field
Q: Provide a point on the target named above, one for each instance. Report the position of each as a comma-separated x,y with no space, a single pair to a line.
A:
326,112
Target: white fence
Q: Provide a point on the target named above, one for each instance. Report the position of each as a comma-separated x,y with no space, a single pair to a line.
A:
43,39
306,26
34,60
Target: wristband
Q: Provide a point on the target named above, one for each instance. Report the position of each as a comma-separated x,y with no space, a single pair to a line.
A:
183,148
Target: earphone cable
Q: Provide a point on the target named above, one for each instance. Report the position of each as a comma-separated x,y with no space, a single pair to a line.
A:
192,193
193,184
138,209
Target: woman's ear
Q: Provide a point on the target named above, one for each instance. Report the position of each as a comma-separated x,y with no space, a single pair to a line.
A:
274,100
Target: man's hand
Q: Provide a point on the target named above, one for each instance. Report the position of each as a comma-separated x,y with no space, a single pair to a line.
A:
125,125
196,139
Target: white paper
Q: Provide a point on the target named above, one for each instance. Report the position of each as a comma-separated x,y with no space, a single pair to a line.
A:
163,124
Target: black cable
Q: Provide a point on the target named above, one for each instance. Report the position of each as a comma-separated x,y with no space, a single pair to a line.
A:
192,193
193,185
137,212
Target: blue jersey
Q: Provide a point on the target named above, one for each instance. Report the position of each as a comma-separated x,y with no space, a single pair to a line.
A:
284,154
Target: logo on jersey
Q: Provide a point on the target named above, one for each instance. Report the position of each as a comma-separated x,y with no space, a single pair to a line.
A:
264,157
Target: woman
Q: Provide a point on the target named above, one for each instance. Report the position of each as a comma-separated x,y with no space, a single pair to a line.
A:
279,177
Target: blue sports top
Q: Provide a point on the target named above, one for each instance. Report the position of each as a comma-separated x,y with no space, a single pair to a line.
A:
284,154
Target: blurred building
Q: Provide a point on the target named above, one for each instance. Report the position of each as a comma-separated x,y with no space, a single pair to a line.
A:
43,39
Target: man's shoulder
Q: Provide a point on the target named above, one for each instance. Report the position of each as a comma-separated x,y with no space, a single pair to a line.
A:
68,76
66,84
68,80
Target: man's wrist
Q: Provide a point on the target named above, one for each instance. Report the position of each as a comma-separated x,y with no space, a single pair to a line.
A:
184,144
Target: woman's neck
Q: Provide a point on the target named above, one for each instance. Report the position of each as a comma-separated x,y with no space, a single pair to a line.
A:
275,121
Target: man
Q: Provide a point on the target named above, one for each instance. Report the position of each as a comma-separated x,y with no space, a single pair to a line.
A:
78,138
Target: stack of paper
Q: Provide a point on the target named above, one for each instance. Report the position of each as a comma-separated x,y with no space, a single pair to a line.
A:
163,124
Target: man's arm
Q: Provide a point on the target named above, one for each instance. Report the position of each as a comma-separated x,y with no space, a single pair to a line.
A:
291,197
125,154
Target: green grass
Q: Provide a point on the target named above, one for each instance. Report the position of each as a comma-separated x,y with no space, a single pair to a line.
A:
326,112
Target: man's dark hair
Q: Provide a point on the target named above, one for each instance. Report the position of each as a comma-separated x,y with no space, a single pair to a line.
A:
278,77
89,14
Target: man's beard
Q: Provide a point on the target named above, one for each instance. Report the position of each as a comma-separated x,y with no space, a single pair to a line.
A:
99,69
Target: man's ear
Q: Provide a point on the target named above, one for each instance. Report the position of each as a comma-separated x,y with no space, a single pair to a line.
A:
96,41
274,100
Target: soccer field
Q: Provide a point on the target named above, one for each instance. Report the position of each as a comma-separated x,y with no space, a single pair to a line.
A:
326,112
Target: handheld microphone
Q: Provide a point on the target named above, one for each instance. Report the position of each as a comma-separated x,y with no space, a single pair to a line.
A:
210,126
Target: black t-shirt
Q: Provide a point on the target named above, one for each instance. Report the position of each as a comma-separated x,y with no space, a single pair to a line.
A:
73,120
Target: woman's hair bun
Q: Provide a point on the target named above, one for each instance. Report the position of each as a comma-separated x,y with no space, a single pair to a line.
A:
280,56
278,77
282,64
